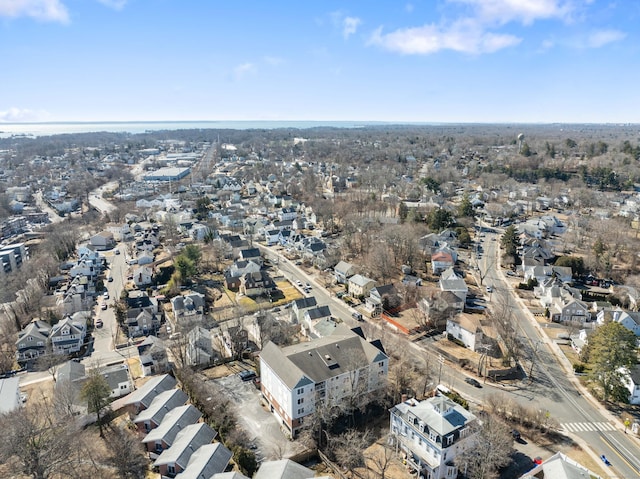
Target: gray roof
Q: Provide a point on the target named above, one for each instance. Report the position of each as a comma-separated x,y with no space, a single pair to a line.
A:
172,423
343,267
187,441
9,394
440,413
149,390
208,460
115,375
560,466
161,405
318,312
360,280
303,303
453,285
315,361
283,469
229,475
70,371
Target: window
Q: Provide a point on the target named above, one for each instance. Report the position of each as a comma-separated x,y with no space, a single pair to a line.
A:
449,440
381,363
171,469
300,391
301,410
301,401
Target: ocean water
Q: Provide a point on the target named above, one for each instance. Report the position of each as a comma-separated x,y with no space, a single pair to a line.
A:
46,129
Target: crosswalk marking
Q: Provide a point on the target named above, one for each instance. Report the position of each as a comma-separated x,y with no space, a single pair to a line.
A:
587,426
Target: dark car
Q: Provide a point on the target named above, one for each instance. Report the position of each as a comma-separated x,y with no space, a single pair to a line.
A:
247,375
605,460
473,382
99,323
516,434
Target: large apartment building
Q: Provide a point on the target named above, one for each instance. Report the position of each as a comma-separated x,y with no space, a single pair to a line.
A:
334,368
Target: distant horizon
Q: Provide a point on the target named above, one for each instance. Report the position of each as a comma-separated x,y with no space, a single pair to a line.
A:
372,122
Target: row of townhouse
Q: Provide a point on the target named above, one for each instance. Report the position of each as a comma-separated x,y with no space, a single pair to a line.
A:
180,444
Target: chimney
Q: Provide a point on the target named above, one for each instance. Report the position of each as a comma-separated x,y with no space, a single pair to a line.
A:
404,398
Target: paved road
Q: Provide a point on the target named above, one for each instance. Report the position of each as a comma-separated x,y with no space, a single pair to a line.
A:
553,388
293,273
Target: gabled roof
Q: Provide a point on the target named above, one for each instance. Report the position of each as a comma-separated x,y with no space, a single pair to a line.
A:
318,312
560,466
208,460
161,405
343,267
229,475
283,469
186,442
172,423
360,280
149,390
304,303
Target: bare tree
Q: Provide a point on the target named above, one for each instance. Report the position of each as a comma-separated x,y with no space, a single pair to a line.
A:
127,454
38,440
491,449
348,448
380,459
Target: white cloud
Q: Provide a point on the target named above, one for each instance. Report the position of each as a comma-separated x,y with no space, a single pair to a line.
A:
464,36
525,11
41,10
349,26
409,7
244,69
603,37
17,115
115,4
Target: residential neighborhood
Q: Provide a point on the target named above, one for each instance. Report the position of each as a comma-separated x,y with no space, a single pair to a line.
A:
234,311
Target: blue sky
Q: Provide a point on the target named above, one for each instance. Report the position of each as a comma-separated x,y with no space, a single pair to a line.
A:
418,61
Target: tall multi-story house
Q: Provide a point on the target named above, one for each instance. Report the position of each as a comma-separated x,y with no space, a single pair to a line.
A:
431,433
334,369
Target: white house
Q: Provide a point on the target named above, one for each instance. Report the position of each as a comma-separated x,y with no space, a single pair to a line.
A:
431,433
631,380
466,328
360,286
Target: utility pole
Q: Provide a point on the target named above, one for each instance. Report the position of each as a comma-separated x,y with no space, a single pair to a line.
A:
441,361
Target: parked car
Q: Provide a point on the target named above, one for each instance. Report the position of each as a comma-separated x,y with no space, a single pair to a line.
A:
106,295
247,375
99,323
110,279
516,434
104,306
357,316
473,382
489,289
117,251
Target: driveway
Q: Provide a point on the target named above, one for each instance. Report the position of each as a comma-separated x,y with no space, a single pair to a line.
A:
262,426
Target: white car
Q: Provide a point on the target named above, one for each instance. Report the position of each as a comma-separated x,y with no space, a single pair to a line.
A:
106,295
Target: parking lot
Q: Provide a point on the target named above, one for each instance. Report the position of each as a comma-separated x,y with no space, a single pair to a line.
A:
262,426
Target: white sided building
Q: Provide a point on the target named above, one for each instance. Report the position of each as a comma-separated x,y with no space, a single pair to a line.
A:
331,368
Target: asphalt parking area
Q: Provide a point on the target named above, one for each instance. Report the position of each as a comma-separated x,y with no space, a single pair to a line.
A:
263,428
